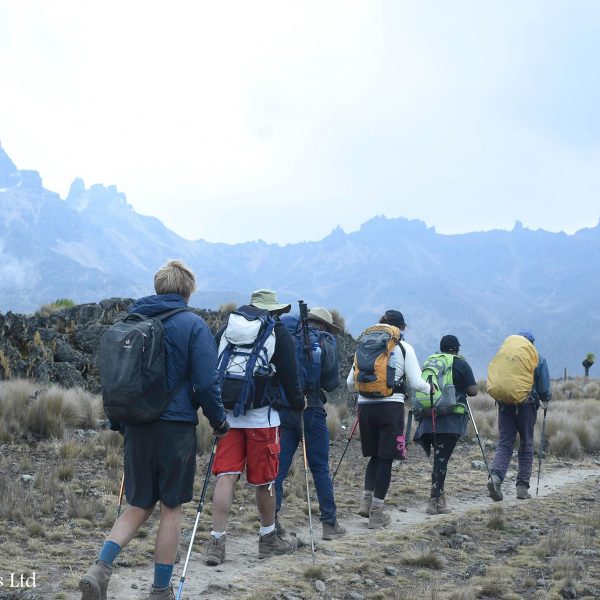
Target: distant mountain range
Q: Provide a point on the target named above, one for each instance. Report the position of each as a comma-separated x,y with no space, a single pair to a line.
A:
479,286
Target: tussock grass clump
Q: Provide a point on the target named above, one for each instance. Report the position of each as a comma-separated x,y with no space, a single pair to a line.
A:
559,541
496,520
314,572
36,529
427,558
567,565
27,409
83,507
66,470
566,443
15,501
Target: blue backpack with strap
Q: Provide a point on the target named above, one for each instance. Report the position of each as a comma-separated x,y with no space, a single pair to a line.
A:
245,352
309,367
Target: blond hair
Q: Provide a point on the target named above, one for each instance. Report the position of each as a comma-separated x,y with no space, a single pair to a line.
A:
175,278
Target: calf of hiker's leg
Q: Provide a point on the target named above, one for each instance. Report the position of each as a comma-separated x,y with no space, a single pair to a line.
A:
128,523
167,538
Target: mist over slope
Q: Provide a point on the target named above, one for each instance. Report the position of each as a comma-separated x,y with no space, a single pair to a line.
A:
479,286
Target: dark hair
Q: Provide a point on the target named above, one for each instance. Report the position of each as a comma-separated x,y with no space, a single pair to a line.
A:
393,317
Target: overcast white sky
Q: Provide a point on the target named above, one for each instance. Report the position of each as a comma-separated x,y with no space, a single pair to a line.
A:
234,121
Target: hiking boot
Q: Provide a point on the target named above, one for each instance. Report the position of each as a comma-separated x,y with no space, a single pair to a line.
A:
493,486
165,593
331,532
378,518
272,545
279,528
215,552
94,583
523,492
365,506
437,506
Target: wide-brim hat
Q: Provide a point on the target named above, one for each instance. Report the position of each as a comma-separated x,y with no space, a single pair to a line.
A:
323,316
267,300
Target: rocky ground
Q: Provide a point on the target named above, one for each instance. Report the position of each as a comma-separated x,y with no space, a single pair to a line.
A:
58,500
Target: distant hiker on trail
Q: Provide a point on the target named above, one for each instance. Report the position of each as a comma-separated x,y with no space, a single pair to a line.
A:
321,374
256,364
159,454
519,393
383,364
450,422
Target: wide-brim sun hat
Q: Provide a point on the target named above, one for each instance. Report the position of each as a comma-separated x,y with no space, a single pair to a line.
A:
267,300
323,316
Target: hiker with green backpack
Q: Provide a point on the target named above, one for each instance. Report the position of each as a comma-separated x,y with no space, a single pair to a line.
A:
442,414
519,381
384,364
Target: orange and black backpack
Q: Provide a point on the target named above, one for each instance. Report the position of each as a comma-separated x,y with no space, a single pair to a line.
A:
374,372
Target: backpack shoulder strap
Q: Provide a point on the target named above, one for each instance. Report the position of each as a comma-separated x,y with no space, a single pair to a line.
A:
164,316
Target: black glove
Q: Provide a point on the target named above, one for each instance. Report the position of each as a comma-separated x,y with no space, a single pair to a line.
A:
222,429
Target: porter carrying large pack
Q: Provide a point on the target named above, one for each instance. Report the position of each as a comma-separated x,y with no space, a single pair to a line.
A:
133,371
374,371
511,371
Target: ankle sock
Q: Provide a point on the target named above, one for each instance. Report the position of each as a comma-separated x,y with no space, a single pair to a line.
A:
109,552
266,530
377,503
217,534
162,575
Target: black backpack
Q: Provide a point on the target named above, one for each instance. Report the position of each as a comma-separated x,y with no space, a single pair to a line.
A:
133,369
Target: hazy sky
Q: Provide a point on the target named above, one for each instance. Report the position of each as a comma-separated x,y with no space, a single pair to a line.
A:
233,121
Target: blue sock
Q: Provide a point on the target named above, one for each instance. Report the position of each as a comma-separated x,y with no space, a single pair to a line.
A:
109,552
162,575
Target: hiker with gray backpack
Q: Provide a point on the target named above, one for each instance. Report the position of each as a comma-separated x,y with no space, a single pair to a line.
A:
519,381
384,364
157,368
257,368
443,413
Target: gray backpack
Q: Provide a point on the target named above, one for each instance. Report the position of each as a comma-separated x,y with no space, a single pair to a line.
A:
133,373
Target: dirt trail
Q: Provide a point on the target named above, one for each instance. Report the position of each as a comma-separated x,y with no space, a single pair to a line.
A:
242,563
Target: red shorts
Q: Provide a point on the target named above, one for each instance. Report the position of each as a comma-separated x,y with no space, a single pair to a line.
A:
256,450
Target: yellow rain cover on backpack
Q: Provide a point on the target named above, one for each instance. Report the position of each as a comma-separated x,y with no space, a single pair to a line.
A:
373,373
510,373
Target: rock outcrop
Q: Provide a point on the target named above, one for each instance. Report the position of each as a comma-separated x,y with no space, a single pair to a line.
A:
62,347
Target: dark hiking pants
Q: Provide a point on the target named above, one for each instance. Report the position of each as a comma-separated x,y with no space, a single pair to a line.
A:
512,420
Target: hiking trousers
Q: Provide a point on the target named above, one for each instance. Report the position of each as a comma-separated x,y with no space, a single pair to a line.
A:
512,420
316,434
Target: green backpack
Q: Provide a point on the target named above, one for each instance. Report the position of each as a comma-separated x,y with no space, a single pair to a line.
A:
438,367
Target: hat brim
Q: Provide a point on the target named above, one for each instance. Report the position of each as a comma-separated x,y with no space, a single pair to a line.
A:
284,308
330,326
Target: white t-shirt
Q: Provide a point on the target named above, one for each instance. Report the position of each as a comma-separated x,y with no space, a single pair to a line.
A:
408,365
255,418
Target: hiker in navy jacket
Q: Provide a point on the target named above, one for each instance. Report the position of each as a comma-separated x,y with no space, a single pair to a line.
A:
160,456
520,418
315,428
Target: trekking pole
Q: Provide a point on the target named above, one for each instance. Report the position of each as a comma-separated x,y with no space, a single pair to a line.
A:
312,536
435,470
541,453
121,490
408,426
487,466
346,448
200,507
